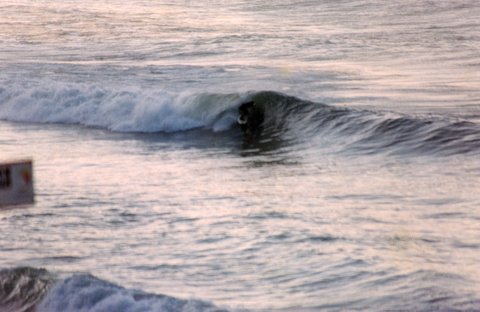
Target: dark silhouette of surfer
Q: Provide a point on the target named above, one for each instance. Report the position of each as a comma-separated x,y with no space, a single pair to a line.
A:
250,117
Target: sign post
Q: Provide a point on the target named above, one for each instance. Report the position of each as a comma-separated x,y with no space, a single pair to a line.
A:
16,183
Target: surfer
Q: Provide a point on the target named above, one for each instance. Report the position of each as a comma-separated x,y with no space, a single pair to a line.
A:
244,111
250,117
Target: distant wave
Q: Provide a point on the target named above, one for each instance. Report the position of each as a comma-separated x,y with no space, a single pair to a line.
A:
28,289
289,119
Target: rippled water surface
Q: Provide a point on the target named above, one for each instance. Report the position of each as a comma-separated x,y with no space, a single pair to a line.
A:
359,191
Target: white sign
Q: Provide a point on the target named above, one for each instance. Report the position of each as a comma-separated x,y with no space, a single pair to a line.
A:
16,183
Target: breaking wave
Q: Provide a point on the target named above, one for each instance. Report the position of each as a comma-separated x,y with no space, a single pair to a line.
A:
131,110
292,119
27,289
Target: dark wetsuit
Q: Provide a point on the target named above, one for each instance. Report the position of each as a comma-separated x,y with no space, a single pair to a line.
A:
250,116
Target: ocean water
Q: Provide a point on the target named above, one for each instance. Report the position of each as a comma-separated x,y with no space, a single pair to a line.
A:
359,192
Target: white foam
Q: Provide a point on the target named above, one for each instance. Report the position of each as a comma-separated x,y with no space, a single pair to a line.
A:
127,110
87,293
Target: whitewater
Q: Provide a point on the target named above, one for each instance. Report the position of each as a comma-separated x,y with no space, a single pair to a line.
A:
360,190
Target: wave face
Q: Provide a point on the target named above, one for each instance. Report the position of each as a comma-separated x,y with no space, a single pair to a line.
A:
22,288
289,119
364,131
36,290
